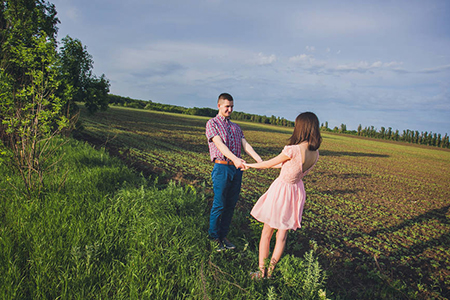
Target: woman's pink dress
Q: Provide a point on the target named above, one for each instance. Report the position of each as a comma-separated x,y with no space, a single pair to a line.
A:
281,207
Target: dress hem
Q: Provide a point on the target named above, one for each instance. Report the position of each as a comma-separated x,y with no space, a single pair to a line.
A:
286,228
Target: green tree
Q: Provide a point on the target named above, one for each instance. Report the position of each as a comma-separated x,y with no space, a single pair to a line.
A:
420,139
22,23
434,141
396,135
389,133
79,83
445,141
382,132
273,120
30,112
425,138
27,30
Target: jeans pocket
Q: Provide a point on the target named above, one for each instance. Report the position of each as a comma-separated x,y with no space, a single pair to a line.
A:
218,173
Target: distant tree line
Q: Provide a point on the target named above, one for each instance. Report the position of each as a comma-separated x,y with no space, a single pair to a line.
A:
204,111
409,136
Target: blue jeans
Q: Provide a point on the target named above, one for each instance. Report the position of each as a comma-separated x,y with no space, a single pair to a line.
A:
227,186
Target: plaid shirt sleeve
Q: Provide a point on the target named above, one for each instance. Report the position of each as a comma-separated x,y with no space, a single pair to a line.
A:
211,130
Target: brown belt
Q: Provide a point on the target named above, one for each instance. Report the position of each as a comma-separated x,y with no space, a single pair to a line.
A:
223,162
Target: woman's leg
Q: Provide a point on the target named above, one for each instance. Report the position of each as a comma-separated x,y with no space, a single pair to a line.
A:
278,250
264,247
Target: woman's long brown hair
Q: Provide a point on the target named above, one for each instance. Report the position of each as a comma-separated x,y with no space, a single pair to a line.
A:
306,129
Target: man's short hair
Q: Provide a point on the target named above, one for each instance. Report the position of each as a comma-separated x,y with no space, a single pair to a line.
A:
225,96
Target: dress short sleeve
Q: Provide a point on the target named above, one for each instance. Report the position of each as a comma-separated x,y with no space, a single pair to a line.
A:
288,151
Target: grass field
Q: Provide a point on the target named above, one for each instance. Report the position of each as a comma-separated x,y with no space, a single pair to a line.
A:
378,212
108,233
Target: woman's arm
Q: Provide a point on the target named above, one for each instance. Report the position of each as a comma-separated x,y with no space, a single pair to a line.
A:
271,163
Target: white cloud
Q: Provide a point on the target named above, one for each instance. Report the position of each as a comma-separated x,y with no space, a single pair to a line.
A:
300,58
183,53
307,60
436,69
262,59
393,64
377,64
364,66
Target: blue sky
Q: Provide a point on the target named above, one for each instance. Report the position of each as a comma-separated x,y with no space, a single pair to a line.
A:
374,63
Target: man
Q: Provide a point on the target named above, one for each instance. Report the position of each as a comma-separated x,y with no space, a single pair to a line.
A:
225,140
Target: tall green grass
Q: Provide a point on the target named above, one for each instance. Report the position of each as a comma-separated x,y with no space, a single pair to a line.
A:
109,233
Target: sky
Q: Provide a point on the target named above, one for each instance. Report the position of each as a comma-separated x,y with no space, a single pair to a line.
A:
375,63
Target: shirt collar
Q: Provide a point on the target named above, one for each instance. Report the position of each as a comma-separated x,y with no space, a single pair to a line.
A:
222,118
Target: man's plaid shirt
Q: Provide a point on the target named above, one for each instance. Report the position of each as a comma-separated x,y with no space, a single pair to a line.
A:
230,133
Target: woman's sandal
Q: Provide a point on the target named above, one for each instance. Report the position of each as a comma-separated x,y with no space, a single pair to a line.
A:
257,275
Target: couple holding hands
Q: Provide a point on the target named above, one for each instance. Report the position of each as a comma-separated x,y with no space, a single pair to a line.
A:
281,207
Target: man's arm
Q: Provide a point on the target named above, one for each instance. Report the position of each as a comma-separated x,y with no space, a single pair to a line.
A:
238,162
250,151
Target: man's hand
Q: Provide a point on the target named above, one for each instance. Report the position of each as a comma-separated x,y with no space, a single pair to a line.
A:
239,164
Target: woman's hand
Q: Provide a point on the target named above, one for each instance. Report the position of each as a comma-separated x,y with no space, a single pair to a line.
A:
248,166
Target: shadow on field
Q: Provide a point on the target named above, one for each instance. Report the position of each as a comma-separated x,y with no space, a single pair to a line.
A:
436,214
345,175
356,154
417,255
337,192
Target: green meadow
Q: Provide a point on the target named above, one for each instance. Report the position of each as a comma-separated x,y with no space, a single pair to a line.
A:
129,220
110,233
